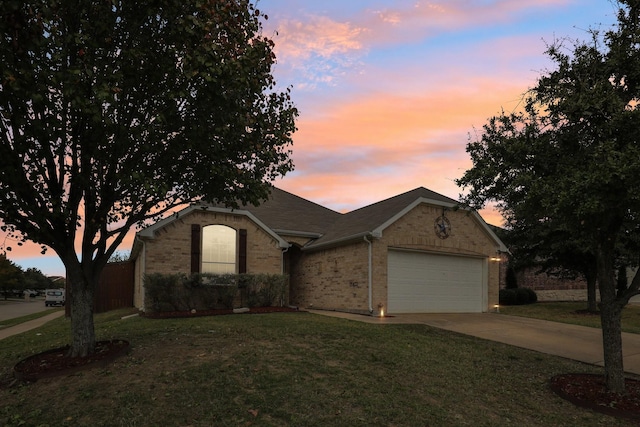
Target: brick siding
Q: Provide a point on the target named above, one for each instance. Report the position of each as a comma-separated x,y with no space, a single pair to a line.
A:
337,278
170,251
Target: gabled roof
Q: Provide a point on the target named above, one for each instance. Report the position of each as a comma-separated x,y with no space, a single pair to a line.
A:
373,219
283,213
287,214
150,232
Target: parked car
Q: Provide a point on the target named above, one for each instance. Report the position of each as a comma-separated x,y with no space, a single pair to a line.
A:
30,292
54,297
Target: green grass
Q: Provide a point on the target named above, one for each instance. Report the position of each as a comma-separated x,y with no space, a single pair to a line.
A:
568,312
294,369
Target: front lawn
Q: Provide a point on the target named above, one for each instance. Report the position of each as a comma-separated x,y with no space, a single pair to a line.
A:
573,312
291,369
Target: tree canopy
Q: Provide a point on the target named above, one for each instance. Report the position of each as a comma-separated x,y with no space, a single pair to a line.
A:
115,112
567,167
14,279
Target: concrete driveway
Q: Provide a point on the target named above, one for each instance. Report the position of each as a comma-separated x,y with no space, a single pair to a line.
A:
570,341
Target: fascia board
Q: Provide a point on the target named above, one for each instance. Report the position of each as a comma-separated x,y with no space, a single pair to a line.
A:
338,242
150,232
501,246
308,234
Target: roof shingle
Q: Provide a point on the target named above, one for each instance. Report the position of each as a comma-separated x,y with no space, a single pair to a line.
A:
286,211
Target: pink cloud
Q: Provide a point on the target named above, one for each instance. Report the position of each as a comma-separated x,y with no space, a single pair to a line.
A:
319,36
308,36
389,119
459,13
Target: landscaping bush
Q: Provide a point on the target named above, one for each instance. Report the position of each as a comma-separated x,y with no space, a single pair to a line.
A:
533,297
518,296
205,291
161,292
507,297
263,290
522,296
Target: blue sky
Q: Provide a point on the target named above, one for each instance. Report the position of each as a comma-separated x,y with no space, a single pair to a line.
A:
390,91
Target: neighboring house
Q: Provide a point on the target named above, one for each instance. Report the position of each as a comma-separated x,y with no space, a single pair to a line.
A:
413,253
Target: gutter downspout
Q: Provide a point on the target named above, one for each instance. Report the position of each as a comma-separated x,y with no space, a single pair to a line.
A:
370,278
284,250
288,292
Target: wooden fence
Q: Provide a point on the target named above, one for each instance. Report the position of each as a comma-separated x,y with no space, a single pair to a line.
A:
115,288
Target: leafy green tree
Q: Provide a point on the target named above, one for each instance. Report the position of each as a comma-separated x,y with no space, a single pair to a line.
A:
35,279
511,279
119,256
115,112
540,245
10,277
571,160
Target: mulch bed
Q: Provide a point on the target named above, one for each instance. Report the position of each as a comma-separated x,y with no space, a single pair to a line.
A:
55,362
589,391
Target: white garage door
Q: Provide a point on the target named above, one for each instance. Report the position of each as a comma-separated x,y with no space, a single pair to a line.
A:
428,283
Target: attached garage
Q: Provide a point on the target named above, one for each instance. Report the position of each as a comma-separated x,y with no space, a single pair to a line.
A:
420,282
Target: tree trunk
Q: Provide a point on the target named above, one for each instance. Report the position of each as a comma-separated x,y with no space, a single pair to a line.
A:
592,278
83,338
610,315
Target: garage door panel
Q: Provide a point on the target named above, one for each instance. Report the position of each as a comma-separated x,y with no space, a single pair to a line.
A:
420,282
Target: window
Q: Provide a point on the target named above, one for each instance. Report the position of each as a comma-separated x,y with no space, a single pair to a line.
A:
218,249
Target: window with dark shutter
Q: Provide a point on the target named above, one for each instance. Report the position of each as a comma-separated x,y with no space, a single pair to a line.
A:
242,249
195,248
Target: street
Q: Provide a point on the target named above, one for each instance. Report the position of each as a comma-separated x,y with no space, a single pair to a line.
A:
18,307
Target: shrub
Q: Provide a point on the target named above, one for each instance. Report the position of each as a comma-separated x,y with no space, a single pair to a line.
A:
507,297
522,296
533,297
161,291
518,296
179,292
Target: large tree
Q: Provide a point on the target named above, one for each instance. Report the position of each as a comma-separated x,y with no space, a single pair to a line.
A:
571,159
550,249
115,112
11,277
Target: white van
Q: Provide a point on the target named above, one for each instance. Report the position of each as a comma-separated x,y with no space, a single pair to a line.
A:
54,297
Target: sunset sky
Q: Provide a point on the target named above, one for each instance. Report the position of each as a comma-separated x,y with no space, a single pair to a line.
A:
389,91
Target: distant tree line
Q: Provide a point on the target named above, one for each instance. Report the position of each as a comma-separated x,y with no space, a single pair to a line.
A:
14,280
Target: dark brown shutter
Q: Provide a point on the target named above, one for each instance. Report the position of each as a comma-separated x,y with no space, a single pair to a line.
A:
242,252
195,248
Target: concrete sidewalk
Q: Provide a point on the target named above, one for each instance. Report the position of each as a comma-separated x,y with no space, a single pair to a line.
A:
570,341
31,324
